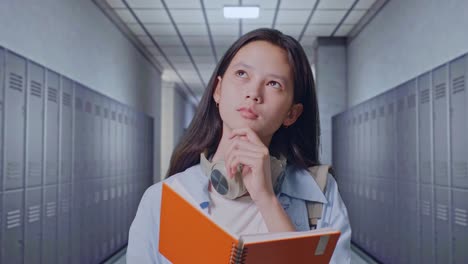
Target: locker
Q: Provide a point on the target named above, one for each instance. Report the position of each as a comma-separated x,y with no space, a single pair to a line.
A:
2,104
49,225
14,121
66,130
87,219
459,223
88,140
12,225
33,225
52,128
97,136
95,224
64,224
401,135
458,122
443,242
439,91
107,216
411,147
426,211
35,126
113,221
425,128
113,140
1,219
106,138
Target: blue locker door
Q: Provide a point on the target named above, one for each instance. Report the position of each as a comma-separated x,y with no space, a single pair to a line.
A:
439,82
443,242
2,104
88,135
49,225
458,122
66,131
105,192
427,224
12,225
460,225
77,173
52,128
14,121
64,224
33,225
411,147
425,142
35,124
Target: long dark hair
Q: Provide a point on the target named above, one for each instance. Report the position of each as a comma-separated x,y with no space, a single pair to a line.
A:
299,143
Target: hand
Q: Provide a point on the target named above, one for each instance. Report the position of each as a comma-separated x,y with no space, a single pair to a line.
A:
247,149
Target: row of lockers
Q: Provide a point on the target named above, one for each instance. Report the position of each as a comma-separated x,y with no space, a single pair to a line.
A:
402,163
74,165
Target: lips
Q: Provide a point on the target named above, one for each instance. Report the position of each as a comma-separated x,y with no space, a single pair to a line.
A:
248,112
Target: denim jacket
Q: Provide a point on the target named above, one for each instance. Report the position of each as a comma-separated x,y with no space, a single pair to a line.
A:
297,187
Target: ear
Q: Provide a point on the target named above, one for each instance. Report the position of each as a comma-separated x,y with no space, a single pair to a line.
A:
217,92
293,114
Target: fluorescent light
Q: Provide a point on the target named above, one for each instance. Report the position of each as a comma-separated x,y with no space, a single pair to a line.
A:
241,11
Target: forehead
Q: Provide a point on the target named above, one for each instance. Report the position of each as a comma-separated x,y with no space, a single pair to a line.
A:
264,57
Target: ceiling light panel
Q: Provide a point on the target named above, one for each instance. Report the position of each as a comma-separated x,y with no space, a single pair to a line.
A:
183,4
188,16
327,16
292,16
298,4
152,15
354,16
335,4
243,12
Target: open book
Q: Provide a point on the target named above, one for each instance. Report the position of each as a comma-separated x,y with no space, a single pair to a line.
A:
188,235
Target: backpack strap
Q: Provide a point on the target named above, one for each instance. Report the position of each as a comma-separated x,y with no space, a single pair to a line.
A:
314,209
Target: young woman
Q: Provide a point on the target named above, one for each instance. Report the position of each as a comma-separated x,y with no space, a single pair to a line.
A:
259,109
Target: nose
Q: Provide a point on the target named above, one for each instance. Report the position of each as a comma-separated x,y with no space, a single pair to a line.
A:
253,92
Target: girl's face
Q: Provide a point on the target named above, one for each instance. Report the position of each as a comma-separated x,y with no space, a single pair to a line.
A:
257,90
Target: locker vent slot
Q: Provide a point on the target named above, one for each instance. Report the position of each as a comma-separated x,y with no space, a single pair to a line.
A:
411,101
36,89
426,208
460,169
13,219
458,84
35,169
66,99
88,107
97,110
440,91
78,104
34,213
460,217
16,82
442,212
52,95
51,208
65,205
13,169
424,96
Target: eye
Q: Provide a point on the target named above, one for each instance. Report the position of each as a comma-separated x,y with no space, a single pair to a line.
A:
274,84
241,74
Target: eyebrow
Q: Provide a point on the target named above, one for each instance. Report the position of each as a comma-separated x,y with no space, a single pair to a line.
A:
282,78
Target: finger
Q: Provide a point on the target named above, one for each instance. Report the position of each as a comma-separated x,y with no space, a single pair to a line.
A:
244,157
248,132
238,144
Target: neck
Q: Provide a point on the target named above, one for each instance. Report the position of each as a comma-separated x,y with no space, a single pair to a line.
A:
225,142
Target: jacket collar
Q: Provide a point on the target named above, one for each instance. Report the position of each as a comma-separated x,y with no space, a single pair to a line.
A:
297,183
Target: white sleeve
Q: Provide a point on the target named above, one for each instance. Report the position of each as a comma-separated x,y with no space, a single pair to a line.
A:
335,216
143,238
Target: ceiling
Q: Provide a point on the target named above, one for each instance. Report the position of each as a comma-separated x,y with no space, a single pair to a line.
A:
186,38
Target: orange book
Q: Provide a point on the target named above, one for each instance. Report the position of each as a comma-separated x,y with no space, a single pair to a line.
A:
188,235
